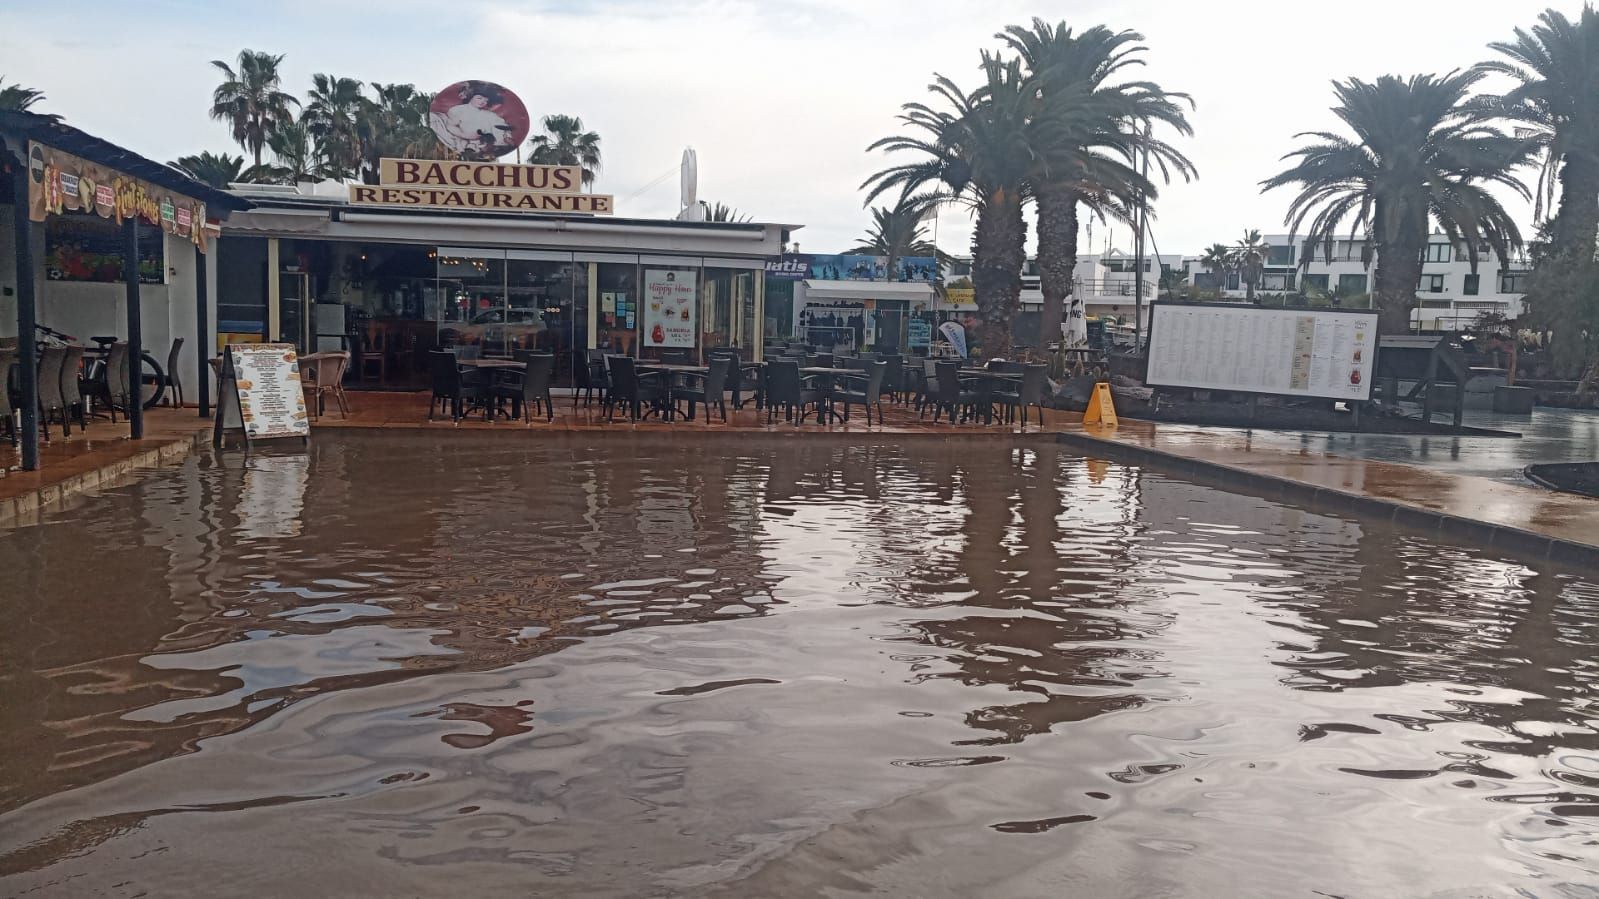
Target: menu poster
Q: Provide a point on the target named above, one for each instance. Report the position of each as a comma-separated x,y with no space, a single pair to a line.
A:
261,393
669,308
1292,352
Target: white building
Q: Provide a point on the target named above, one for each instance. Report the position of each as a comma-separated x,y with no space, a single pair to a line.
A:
1106,283
1449,297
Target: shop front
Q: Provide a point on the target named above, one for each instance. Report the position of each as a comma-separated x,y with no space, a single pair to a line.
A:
391,285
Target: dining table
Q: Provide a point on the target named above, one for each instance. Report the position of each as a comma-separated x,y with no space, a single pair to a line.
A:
987,380
828,376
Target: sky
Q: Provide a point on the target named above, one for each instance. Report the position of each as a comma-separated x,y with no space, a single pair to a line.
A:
779,100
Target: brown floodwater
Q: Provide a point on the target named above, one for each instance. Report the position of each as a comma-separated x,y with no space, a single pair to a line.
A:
485,666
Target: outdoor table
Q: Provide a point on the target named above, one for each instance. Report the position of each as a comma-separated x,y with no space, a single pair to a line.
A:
828,377
491,363
985,385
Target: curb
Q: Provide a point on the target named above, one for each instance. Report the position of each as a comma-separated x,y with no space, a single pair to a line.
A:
24,508
1274,487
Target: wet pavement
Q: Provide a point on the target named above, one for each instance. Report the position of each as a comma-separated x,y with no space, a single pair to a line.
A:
1547,435
401,665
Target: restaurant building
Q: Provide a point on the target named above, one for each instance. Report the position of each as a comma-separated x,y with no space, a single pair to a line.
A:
98,241
314,266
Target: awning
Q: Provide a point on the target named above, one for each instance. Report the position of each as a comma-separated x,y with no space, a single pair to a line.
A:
869,290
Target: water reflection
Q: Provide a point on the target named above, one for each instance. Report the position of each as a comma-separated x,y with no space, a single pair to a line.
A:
627,669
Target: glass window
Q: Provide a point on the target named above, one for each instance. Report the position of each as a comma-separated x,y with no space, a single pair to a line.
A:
1315,283
1473,283
81,247
472,289
1349,285
1513,282
1280,256
960,268
1431,283
618,316
1436,252
728,308
541,310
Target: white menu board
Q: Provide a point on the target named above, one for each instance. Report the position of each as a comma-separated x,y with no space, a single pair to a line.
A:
266,379
1292,352
669,308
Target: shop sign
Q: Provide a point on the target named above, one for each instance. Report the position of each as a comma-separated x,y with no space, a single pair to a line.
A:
453,184
789,267
919,333
478,119
60,182
960,297
669,308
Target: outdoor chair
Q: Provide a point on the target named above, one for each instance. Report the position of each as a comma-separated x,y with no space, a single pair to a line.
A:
529,388
1028,392
711,391
950,394
677,357
453,386
50,359
926,382
8,412
864,390
112,387
174,383
588,376
636,389
740,378
72,404
785,388
892,376
327,379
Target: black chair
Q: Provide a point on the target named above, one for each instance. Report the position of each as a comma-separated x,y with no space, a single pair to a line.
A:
588,376
1025,393
677,357
454,386
785,387
50,359
72,404
865,390
8,413
636,389
949,394
893,376
711,391
174,383
530,387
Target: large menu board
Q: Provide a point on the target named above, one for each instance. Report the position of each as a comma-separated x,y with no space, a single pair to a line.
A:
669,308
261,392
1292,352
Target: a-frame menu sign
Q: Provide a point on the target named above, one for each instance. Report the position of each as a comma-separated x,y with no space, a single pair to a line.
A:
260,394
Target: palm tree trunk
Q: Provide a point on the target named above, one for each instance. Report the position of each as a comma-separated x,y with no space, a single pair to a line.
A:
1398,274
1057,256
998,246
1577,225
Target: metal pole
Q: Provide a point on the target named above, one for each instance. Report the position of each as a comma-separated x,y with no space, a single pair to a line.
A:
27,315
202,331
1138,242
130,276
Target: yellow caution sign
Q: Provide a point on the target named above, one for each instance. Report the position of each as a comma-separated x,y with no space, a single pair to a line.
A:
1101,409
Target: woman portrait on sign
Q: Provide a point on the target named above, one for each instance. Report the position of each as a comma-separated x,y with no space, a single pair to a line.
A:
473,127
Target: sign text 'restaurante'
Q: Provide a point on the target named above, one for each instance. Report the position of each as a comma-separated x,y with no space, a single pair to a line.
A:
511,200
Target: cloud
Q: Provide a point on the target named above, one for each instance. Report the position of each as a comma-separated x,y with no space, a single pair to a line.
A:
779,100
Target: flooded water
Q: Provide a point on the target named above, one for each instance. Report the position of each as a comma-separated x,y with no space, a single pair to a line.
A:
406,666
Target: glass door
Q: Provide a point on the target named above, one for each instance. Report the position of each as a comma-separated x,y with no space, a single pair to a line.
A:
474,304
294,310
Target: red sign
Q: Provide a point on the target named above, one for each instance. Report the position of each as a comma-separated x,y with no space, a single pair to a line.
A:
478,119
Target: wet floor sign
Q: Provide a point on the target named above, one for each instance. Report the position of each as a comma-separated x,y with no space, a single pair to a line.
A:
1101,410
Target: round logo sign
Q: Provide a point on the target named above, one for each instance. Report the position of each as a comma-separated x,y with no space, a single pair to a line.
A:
478,119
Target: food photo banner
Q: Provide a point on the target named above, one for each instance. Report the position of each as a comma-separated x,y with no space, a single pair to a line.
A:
59,182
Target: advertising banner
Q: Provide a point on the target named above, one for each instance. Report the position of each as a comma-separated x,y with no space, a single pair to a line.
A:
1291,352
919,333
60,182
835,267
956,335
669,308
261,386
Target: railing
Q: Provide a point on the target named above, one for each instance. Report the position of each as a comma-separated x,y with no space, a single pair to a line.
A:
1114,287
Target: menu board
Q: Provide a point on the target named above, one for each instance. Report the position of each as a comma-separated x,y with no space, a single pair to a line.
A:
261,392
1292,352
669,308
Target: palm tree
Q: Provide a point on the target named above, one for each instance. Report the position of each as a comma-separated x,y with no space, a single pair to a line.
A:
564,142
248,99
395,126
1249,258
296,158
716,212
17,98
1218,257
1095,167
1421,155
981,151
898,231
1556,103
334,116
216,169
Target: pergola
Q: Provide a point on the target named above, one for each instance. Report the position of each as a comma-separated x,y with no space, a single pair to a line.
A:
51,169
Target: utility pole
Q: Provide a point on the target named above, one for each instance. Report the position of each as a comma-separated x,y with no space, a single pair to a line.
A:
1138,254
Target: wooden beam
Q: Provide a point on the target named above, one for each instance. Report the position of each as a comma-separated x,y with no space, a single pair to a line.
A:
130,277
27,315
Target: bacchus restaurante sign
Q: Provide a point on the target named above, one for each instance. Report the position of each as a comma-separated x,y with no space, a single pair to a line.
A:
480,185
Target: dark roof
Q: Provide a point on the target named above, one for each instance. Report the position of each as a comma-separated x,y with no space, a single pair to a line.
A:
337,204
48,130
